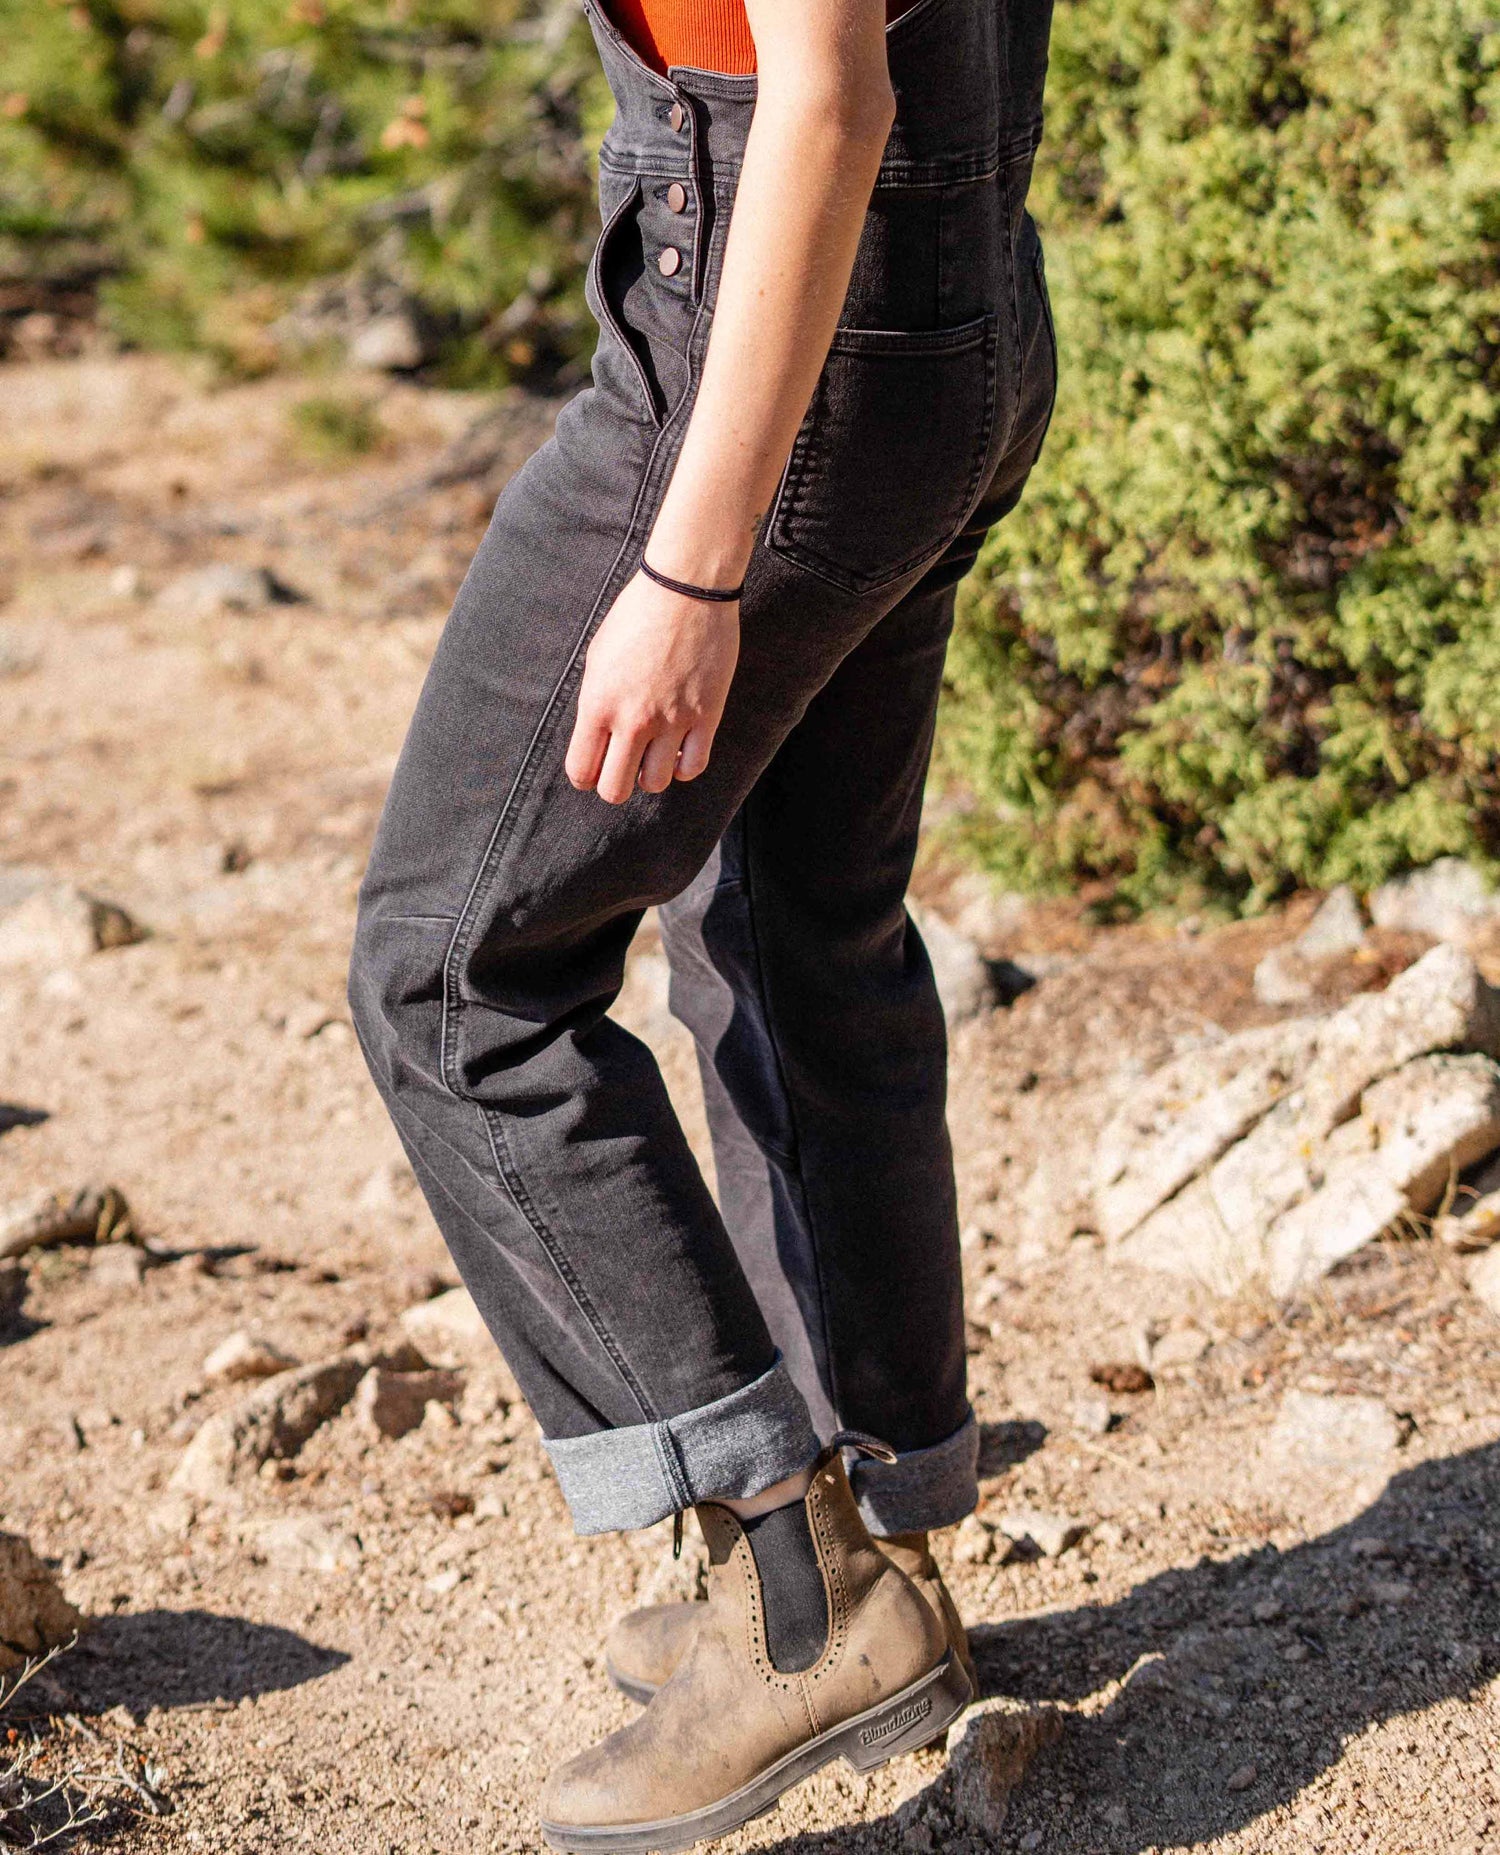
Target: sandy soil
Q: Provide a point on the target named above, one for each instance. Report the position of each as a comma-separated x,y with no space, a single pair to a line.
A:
1251,1656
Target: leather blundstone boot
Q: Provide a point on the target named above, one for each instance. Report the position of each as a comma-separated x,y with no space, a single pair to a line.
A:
777,1681
647,1644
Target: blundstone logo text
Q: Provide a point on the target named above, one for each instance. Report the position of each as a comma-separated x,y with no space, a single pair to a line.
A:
898,1722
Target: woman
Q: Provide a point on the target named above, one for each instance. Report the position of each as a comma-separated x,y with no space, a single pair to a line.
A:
695,664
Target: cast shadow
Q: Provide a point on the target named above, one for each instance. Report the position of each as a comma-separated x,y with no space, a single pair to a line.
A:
12,1114
1268,1662
1003,1446
185,1658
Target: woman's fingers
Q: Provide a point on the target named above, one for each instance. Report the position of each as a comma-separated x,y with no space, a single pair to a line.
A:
586,751
694,755
660,762
622,765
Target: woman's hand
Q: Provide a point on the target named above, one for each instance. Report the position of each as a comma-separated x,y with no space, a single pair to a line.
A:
655,682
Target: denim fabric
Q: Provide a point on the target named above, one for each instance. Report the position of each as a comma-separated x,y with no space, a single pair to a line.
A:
643,1321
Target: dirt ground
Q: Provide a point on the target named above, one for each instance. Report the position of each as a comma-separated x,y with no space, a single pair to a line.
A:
1251,1656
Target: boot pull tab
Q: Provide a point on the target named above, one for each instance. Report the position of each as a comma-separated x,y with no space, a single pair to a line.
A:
861,1440
677,1534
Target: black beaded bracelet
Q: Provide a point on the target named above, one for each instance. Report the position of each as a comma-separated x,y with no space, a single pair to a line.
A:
717,595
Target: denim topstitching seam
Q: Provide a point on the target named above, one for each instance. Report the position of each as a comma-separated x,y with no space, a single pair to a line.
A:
515,1187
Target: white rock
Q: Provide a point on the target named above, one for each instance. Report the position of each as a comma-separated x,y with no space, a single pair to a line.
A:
1189,1112
973,1542
223,587
1092,1416
301,1543
1344,1439
117,1265
1217,1228
988,1753
392,343
34,1614
1051,1534
1474,1228
1427,1122
1337,927
1184,1346
1449,900
1484,1279
48,923
242,1357
450,1331
982,912
1283,977
273,1422
964,983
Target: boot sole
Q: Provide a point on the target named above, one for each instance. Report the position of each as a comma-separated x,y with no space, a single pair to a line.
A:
904,1723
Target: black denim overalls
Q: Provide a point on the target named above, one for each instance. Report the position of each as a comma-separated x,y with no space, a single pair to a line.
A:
673,1349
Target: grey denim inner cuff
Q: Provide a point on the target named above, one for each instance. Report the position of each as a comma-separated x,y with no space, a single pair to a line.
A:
923,1489
613,1480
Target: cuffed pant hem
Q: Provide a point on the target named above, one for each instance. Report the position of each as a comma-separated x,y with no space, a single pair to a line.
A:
634,1476
923,1489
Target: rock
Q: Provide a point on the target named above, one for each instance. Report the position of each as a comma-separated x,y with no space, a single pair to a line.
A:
1092,1416
988,1755
117,1265
392,1403
391,343
1241,1778
13,1285
981,912
34,1614
1475,1228
1337,927
1189,1112
172,1516
1484,1279
242,1357
302,1543
1333,1438
94,1213
224,587
1426,1122
388,1188
1050,1534
973,1542
963,976
272,1423
1288,975
1183,1347
484,1396
451,1332
48,923
1449,900
1218,1227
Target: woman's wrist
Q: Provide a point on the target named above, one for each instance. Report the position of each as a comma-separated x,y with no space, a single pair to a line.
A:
707,551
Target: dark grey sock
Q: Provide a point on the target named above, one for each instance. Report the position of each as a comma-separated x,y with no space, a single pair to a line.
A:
792,1583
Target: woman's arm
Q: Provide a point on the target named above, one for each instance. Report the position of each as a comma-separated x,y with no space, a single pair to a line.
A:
659,666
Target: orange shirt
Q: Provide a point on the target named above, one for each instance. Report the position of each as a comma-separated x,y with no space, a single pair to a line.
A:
711,35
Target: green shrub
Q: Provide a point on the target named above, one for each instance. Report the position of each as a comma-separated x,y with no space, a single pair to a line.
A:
334,426
217,157
1244,631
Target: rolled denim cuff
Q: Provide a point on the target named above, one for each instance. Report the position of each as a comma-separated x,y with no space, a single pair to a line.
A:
615,1480
923,1489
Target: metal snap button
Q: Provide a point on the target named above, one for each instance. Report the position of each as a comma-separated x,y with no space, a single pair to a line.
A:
669,261
677,196
677,116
